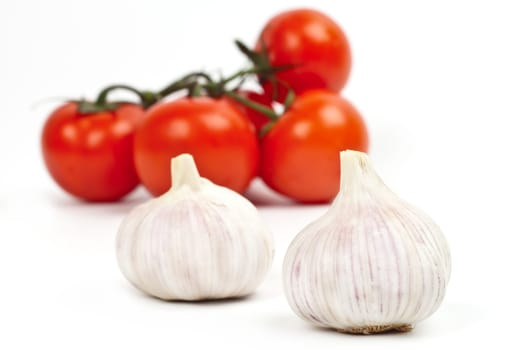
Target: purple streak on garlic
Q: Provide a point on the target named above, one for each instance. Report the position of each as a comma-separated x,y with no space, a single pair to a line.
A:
372,263
197,241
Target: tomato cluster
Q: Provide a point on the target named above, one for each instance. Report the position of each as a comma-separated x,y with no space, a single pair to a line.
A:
100,151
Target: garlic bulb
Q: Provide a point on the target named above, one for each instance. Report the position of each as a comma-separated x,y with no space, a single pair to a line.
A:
372,263
196,241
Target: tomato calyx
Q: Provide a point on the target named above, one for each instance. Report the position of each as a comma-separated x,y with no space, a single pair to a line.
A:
261,61
266,72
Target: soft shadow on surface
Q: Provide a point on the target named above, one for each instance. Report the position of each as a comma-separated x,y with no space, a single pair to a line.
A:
261,195
124,205
258,193
288,321
207,302
133,292
197,303
334,332
452,319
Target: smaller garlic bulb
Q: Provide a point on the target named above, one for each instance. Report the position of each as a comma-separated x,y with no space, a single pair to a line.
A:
197,241
372,263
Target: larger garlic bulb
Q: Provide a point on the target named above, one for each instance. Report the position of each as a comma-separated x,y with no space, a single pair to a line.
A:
372,263
196,241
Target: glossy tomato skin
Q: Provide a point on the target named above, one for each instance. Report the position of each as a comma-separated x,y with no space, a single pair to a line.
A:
312,41
258,119
300,154
91,156
220,138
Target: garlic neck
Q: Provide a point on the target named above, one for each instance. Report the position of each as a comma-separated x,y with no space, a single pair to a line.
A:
358,176
184,172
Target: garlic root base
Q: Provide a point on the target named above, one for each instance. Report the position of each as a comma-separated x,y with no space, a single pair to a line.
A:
378,329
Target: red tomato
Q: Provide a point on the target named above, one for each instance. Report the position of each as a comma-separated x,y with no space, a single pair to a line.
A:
312,41
91,155
300,154
220,138
258,119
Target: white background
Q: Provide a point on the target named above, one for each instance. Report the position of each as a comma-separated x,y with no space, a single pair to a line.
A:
441,85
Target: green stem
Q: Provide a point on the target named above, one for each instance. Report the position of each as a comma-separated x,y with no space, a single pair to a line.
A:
217,89
147,98
241,74
195,90
261,61
185,82
270,113
290,96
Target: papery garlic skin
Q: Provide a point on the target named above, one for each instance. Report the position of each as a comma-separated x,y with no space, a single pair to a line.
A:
372,263
197,241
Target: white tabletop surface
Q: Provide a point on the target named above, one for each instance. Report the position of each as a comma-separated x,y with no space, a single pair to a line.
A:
441,85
